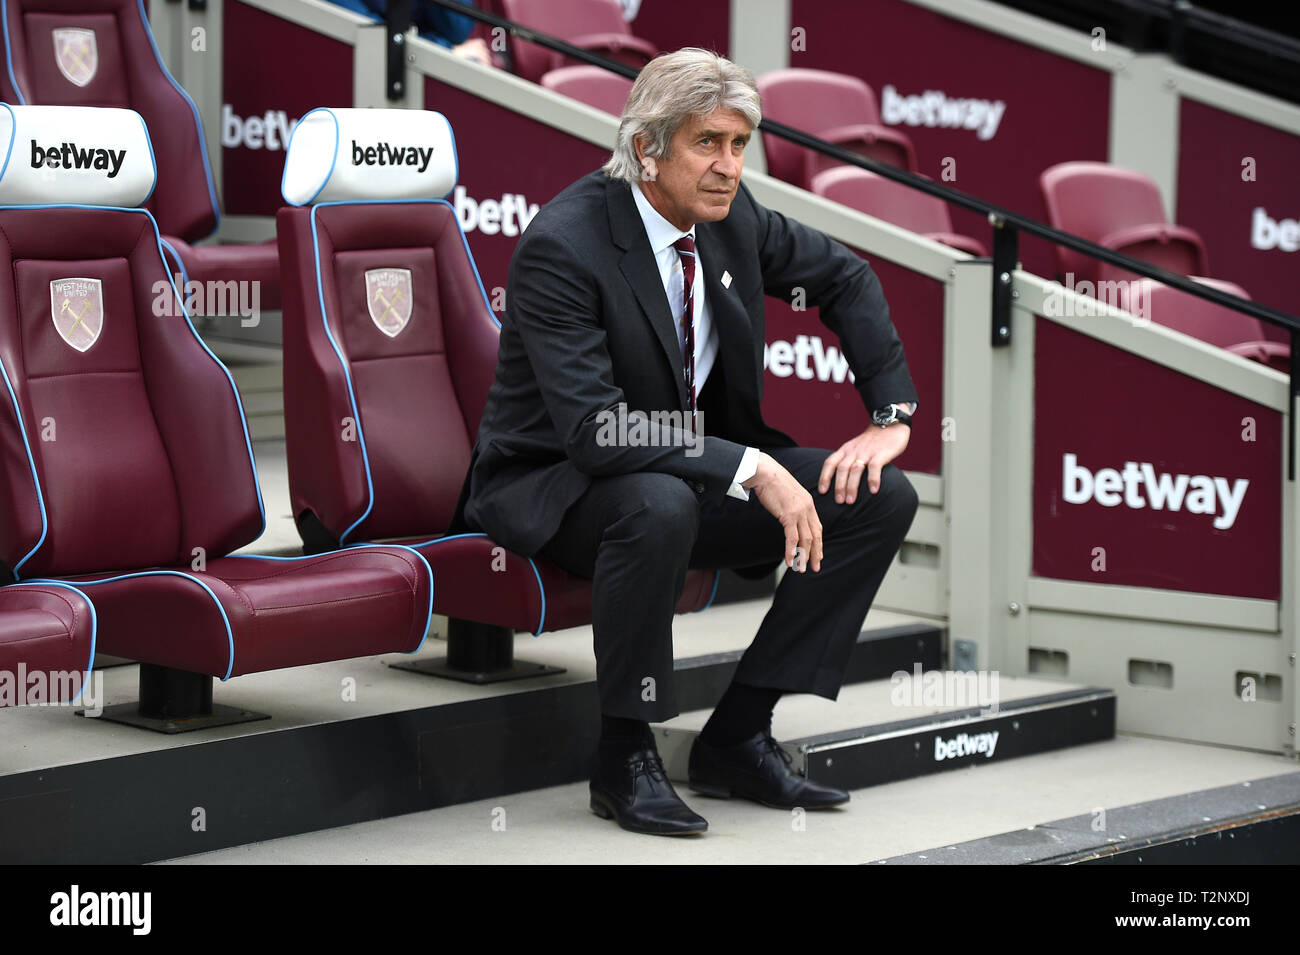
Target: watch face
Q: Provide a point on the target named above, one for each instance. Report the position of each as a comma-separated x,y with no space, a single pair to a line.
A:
885,416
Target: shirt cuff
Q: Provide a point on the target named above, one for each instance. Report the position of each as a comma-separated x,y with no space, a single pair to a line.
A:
748,468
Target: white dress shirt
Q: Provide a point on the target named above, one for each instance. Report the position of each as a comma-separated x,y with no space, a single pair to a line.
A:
662,235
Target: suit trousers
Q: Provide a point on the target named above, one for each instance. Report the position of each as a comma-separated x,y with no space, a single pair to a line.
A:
636,535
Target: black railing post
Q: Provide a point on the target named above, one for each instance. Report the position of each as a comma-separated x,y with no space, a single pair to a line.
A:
1006,253
398,22
1295,393
1178,29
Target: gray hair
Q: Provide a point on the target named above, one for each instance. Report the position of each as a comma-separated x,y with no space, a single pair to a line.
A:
670,89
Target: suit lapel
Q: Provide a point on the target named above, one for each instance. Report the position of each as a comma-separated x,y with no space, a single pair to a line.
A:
642,274
735,331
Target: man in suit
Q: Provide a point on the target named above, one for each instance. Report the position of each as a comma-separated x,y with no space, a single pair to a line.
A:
622,436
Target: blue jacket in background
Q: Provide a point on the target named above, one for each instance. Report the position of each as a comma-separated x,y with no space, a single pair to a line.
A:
434,23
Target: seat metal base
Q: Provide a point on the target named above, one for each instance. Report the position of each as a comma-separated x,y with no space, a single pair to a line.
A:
175,701
518,670
479,653
104,661
129,713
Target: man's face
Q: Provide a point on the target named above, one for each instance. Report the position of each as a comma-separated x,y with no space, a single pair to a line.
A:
698,178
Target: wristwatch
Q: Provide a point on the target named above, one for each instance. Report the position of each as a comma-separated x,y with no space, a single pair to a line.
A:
890,414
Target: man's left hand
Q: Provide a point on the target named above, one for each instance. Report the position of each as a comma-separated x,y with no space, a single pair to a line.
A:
868,453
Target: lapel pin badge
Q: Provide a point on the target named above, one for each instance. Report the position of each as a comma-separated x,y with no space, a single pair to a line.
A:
726,279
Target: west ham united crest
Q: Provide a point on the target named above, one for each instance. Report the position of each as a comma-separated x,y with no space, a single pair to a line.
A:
388,296
77,307
76,54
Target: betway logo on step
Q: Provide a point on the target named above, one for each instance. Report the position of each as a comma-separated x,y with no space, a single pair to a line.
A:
1139,485
807,357
269,131
965,744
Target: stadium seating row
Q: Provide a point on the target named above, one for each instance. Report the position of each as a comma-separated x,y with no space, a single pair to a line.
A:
1116,208
593,25
68,53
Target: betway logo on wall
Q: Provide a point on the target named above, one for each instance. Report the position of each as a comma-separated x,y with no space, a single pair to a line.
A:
269,131
806,358
1269,233
937,108
508,215
1139,486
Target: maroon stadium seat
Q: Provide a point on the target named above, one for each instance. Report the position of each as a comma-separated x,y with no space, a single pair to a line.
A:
591,85
389,349
838,108
102,53
45,627
1200,318
894,202
1121,210
127,457
595,25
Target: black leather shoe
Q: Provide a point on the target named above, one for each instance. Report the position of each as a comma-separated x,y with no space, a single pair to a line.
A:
758,769
634,791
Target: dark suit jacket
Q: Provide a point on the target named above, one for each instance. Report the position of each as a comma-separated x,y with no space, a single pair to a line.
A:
587,326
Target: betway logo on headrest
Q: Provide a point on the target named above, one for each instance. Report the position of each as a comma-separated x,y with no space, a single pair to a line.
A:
72,156
387,154
1140,485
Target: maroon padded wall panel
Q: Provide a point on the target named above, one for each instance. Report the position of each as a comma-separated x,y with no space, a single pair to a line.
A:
1212,522
274,71
1249,225
499,190
808,394
671,26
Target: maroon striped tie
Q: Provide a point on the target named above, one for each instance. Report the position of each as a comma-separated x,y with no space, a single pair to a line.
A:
685,247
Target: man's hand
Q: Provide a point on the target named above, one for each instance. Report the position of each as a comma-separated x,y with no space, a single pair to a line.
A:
787,501
868,453
475,49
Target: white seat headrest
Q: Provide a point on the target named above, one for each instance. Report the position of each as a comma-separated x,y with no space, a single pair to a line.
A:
369,154
75,154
